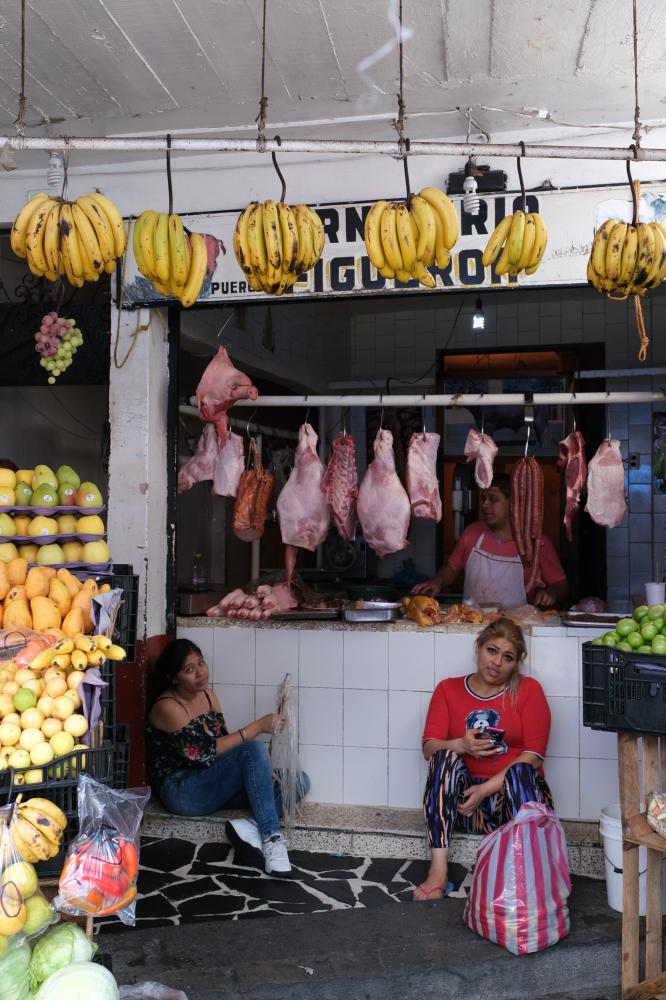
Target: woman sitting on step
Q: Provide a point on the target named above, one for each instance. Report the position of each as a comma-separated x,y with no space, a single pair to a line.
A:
485,738
197,766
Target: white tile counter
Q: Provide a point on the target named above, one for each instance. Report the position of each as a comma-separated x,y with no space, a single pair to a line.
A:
363,693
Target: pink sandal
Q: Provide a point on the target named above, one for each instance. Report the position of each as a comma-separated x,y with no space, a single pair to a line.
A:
430,893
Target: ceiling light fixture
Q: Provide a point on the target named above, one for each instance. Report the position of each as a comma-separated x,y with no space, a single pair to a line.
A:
471,200
478,319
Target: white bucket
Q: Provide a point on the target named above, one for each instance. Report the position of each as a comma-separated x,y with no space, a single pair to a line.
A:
610,828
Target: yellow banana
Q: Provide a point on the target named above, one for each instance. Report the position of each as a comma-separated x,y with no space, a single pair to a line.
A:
423,275
178,252
529,237
645,254
389,234
372,237
289,231
34,242
305,249
136,243
87,238
96,659
43,659
497,240
272,234
48,808
614,250
195,278
161,248
445,209
146,239
52,239
386,271
69,243
600,245
318,235
100,224
406,239
424,217
43,824
61,661
629,256
255,240
64,646
115,220
403,276
515,239
659,266
540,243
243,248
102,641
19,230
85,643
29,842
502,266
79,659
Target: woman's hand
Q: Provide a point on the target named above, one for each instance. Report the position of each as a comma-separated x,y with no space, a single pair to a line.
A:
477,745
544,598
427,587
473,797
271,723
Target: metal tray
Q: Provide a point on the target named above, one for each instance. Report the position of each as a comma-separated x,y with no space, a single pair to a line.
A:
372,614
305,616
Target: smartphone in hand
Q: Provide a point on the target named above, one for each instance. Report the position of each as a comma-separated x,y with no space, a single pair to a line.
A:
495,734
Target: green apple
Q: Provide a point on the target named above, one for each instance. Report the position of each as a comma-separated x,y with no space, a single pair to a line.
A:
43,474
88,495
648,631
66,474
640,612
625,626
635,639
655,611
42,525
90,524
96,552
67,524
8,551
49,554
67,495
7,526
44,496
22,494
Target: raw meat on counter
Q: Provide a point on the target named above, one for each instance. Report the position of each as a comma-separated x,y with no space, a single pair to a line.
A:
202,464
229,466
254,607
422,485
606,503
481,449
591,605
219,387
527,516
340,484
254,494
302,508
571,463
383,505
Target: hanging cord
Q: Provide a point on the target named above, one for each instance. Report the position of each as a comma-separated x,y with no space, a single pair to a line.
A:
20,117
520,175
278,171
637,111
263,103
638,307
399,123
140,327
168,170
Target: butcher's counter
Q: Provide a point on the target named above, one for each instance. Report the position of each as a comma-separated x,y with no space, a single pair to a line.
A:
363,694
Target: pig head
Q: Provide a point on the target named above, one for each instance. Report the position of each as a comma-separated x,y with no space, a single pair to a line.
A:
220,386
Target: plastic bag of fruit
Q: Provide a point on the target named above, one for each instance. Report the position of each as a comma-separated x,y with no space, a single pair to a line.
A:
656,812
100,873
24,911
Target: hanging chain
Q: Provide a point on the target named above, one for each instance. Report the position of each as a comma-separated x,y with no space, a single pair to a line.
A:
637,111
263,103
20,117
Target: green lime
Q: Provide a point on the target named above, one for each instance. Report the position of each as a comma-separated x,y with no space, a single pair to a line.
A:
609,639
625,626
635,639
655,611
597,642
640,612
644,649
659,645
648,630
625,647
24,698
658,623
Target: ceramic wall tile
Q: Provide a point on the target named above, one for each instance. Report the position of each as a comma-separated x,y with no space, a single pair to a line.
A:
234,655
405,719
563,778
203,638
366,659
323,766
365,776
365,719
320,658
598,786
277,655
406,779
320,716
564,727
237,703
411,661
454,655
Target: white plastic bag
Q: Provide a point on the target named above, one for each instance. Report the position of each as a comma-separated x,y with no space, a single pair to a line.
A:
150,991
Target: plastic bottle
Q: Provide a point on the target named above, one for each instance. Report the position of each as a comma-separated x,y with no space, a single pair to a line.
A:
199,581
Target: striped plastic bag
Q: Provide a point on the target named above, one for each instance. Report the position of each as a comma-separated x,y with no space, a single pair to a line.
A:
521,883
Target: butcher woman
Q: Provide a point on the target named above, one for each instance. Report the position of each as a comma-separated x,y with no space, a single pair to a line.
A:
197,766
488,556
485,738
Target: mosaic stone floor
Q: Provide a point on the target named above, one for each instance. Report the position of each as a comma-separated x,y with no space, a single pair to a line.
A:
183,882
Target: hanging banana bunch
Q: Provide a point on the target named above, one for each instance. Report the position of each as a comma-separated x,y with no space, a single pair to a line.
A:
174,261
79,239
404,239
627,260
522,239
274,243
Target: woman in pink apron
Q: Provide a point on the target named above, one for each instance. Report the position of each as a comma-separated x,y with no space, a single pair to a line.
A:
488,556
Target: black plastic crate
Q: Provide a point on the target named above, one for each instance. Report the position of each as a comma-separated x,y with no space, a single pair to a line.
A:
107,698
124,633
121,757
623,691
98,763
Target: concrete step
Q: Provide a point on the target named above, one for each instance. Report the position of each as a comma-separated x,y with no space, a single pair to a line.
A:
367,831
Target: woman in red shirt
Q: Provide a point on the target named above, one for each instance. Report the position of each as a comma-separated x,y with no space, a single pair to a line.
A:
485,738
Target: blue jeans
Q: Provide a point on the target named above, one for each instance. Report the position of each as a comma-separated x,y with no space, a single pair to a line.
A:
238,778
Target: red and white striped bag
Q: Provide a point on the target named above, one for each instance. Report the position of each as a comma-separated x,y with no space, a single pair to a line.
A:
521,883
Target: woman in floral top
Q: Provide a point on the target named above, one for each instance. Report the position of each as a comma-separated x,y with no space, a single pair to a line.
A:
197,766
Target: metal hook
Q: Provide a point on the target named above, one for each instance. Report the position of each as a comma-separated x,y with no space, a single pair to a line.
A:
527,439
483,418
423,417
307,412
406,169
277,169
381,416
634,199
247,429
608,420
520,175
573,411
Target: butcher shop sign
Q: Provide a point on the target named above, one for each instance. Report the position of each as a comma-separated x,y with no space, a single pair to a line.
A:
344,267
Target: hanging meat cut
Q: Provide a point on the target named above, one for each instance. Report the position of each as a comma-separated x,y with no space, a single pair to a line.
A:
606,501
202,464
422,484
229,466
383,505
527,498
573,466
254,494
302,508
340,484
481,448
219,387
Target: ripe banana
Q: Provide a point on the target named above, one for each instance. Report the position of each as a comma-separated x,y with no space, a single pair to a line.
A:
102,641
88,241
255,240
146,224
30,842
179,252
34,241
19,230
318,235
614,250
161,248
515,240
52,239
195,278
423,215
43,823
406,240
658,271
289,231
115,220
529,237
372,236
540,242
79,659
305,245
275,243
445,209
100,224
497,240
646,245
48,808
600,245
272,234
629,256
69,245
389,236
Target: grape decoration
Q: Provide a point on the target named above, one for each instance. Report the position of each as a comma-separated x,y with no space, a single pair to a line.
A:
57,341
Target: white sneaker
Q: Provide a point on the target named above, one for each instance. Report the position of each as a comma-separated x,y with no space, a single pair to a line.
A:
276,857
246,839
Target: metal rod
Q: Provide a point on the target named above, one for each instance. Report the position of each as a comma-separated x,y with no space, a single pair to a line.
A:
371,147
462,399
243,425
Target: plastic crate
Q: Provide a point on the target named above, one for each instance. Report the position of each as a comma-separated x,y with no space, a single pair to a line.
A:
62,790
121,757
107,699
623,691
124,633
